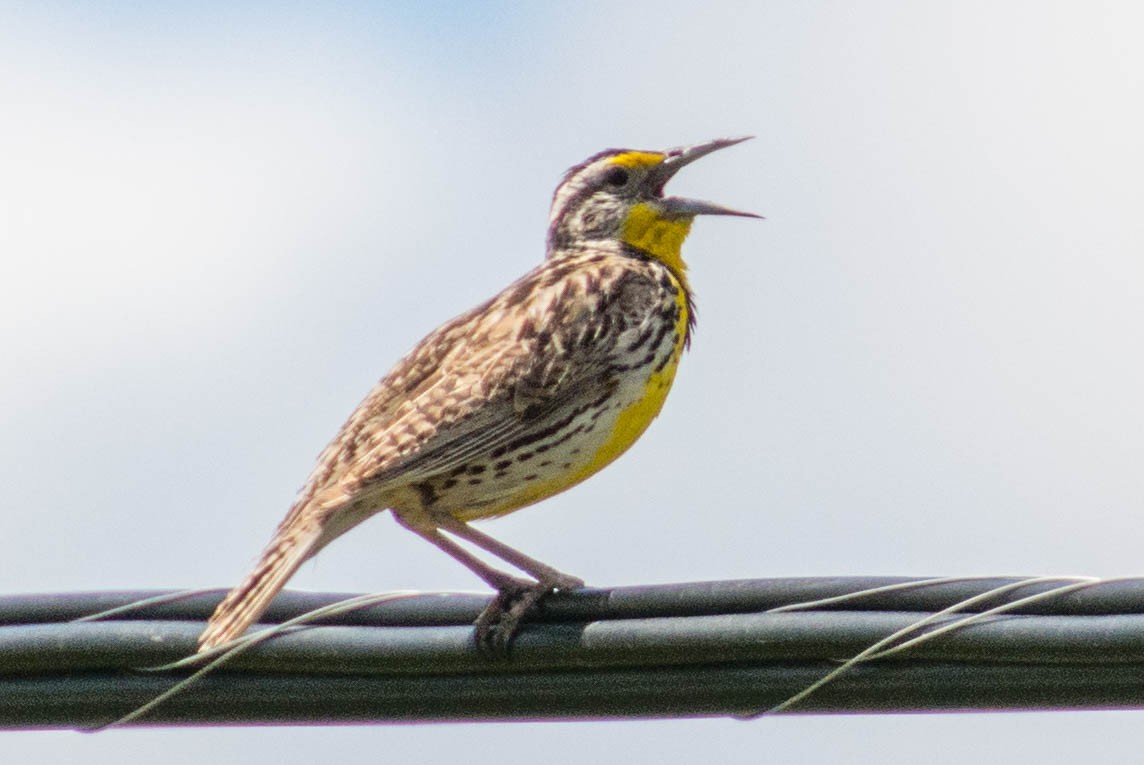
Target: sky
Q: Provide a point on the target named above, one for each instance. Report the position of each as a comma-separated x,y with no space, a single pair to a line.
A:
221,223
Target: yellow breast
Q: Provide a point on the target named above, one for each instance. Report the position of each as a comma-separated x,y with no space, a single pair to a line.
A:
638,399
634,419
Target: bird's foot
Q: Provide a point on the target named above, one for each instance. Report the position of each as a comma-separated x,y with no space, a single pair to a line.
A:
516,599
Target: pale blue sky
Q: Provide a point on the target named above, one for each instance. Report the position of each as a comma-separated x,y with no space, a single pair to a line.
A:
219,226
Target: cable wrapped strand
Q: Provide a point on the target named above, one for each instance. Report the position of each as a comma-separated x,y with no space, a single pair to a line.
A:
737,648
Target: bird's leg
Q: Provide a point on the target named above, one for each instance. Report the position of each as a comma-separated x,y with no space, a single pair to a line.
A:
499,622
542,572
495,578
515,599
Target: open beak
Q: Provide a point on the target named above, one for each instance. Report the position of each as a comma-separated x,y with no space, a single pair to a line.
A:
679,158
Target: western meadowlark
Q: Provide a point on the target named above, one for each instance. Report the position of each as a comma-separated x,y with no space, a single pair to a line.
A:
516,400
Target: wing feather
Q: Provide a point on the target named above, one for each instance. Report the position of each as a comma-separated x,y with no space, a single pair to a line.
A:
486,378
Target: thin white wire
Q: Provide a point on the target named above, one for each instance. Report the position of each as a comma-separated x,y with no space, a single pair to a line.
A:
135,605
227,651
874,650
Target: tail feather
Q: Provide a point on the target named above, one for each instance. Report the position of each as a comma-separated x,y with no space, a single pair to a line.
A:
290,548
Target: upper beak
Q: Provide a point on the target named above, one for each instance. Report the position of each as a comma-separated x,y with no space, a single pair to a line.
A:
679,158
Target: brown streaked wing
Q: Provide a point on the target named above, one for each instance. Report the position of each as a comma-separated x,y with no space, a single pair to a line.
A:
485,379
510,382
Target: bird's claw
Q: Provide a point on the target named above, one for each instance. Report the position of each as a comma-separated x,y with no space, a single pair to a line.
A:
516,599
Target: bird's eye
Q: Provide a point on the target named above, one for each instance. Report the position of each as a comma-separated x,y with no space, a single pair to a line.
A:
617,176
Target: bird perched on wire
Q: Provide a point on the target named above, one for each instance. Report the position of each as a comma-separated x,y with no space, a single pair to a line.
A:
517,400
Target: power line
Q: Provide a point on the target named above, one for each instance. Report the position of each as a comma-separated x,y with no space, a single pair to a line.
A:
715,648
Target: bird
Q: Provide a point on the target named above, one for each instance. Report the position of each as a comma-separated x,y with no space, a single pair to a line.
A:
518,399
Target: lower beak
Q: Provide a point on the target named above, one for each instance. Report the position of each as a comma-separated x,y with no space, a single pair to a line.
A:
679,158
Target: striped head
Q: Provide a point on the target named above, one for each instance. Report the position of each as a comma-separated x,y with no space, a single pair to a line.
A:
617,195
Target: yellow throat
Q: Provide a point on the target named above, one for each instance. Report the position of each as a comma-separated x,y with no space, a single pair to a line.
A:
661,236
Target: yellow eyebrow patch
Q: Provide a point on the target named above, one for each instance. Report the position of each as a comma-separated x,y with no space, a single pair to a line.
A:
638,159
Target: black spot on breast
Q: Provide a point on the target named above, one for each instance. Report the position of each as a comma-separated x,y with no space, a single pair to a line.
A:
639,341
427,492
532,411
524,456
664,328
